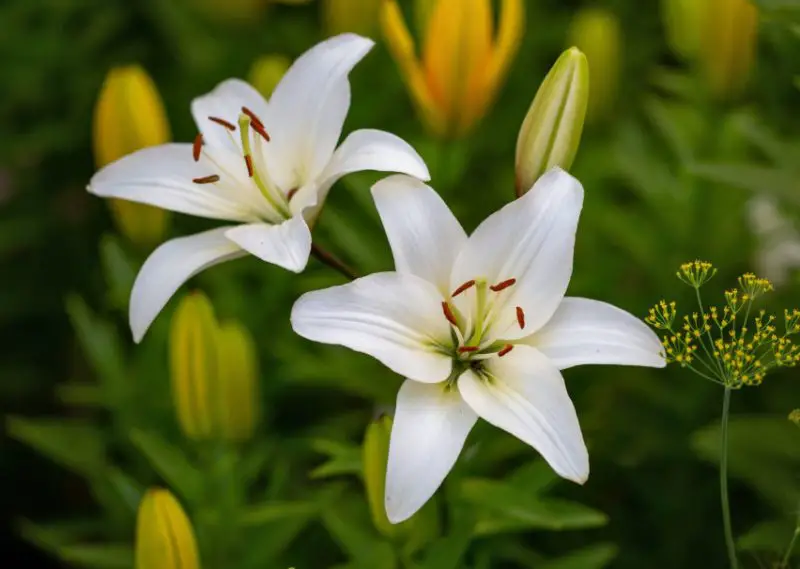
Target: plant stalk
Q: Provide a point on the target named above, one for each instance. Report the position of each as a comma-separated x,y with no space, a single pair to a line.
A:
333,262
723,482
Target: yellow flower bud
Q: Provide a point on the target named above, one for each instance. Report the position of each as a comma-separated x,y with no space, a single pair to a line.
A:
728,45
193,360
551,132
462,63
683,22
267,71
164,535
375,456
237,377
597,33
357,16
129,115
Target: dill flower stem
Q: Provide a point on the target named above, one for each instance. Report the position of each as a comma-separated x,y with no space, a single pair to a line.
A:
720,371
723,481
792,543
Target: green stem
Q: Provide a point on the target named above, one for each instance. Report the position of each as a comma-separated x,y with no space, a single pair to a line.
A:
333,262
723,481
792,543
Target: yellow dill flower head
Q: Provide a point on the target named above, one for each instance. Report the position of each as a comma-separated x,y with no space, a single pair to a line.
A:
164,535
462,61
794,417
128,116
696,273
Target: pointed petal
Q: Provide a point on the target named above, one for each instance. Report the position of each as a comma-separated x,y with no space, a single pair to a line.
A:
225,102
395,318
308,108
531,240
171,265
523,394
431,423
424,235
287,245
364,149
584,331
162,176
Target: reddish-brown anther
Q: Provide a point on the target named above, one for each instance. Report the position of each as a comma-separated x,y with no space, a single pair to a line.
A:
503,285
467,349
520,318
259,128
249,162
507,348
253,118
466,286
206,179
290,194
222,122
448,313
197,146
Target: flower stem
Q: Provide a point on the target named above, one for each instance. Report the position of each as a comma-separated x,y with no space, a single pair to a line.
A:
332,261
792,543
723,481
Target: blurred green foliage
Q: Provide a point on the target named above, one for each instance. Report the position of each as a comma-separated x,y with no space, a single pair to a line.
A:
669,176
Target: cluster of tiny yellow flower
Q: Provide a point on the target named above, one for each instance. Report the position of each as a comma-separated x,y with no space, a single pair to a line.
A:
794,417
735,351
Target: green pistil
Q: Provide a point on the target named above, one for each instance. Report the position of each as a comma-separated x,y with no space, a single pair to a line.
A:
278,205
480,312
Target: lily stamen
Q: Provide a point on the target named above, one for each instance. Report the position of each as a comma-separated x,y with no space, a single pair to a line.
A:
467,349
197,146
466,286
520,318
507,348
222,122
448,313
248,160
503,285
206,179
290,194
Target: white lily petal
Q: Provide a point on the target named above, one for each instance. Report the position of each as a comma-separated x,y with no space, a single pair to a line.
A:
287,245
308,107
584,331
225,102
524,394
162,176
531,240
395,318
430,425
424,235
171,265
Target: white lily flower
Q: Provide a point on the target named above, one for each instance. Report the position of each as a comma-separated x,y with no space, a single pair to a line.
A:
266,166
479,326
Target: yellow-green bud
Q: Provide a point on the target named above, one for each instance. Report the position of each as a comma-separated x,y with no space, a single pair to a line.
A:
164,535
683,23
794,417
128,116
193,359
356,16
597,33
267,71
375,457
237,377
728,46
551,132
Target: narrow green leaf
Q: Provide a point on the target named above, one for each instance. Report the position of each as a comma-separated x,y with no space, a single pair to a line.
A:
768,537
170,462
118,269
594,557
260,514
757,179
348,521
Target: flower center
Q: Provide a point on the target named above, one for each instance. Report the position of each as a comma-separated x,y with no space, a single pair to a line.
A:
254,159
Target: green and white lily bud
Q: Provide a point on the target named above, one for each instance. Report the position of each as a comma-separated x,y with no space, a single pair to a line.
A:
194,365
597,33
356,16
551,132
164,535
267,71
375,456
683,21
237,377
728,47
129,115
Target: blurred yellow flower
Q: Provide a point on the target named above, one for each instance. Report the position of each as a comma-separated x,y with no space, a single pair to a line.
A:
551,132
683,23
375,456
164,535
129,115
267,71
357,16
728,46
214,373
462,65
597,33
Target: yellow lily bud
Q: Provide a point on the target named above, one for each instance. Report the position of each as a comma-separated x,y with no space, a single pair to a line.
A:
463,63
728,46
164,535
357,16
597,33
129,115
267,71
193,360
551,132
375,456
237,377
683,22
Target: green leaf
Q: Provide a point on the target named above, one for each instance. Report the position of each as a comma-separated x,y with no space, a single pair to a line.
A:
349,523
118,269
59,540
275,511
533,477
80,395
772,537
447,552
779,182
507,508
170,462
344,458
74,445
594,557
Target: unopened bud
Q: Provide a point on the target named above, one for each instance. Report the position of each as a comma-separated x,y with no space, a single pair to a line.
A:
267,71
129,115
356,16
164,535
237,383
683,22
375,457
551,132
